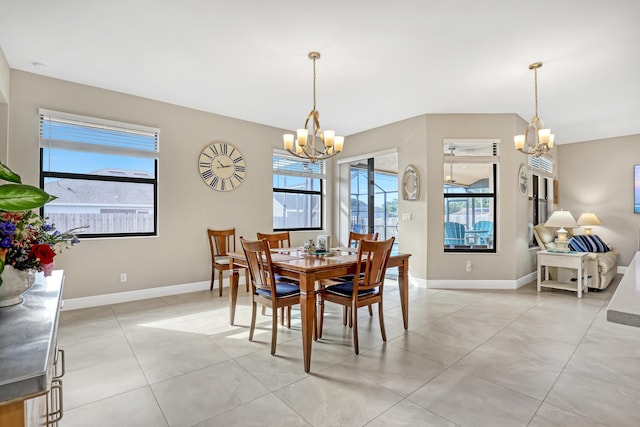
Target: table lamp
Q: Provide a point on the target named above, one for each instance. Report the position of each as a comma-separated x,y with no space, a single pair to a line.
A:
588,219
561,219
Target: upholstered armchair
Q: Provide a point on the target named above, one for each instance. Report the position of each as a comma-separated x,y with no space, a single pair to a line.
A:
602,267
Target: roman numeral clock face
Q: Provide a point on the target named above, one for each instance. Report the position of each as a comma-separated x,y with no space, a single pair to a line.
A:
221,166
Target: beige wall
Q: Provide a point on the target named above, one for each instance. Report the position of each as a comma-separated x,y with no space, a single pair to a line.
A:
187,206
597,176
420,142
5,74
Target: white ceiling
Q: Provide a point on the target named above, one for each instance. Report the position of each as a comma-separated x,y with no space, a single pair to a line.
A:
382,61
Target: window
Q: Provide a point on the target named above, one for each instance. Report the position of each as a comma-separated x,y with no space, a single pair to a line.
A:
469,190
103,173
297,193
540,198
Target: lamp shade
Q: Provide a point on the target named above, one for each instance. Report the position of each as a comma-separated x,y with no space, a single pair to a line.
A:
588,218
561,219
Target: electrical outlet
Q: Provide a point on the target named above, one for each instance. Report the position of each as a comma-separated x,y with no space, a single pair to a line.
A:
123,277
469,267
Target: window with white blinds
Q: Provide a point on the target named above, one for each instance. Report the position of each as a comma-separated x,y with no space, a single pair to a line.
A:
297,193
103,173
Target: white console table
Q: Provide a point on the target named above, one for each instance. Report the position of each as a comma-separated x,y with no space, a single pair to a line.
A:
575,260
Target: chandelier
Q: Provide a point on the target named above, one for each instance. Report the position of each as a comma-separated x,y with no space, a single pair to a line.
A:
542,139
312,143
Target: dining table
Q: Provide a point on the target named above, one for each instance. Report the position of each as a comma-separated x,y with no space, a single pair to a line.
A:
307,269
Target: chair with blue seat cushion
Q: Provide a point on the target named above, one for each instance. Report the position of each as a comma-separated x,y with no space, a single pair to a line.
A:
278,240
453,234
354,241
365,289
265,289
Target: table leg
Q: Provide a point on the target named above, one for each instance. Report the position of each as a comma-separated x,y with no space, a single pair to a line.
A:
580,276
539,277
403,285
233,293
308,312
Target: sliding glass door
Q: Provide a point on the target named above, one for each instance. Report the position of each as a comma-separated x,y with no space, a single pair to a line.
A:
374,196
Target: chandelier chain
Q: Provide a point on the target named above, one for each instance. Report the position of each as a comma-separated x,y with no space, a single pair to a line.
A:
535,79
314,82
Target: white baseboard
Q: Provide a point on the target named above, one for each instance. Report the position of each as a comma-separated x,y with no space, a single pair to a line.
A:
481,284
128,296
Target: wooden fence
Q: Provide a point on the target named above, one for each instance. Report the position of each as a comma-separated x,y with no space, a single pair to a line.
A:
103,223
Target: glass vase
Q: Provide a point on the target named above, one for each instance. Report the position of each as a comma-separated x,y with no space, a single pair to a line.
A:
14,284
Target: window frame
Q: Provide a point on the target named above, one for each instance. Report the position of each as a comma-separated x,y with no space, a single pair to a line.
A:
92,147
471,197
321,176
475,154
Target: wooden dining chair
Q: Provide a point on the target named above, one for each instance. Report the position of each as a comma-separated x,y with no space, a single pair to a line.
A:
281,239
354,241
221,242
265,289
365,289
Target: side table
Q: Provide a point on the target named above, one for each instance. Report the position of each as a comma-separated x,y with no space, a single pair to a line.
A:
574,260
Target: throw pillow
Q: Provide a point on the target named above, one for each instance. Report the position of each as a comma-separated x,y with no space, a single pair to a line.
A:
587,243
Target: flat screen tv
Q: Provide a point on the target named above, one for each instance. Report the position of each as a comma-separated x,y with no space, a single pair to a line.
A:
636,189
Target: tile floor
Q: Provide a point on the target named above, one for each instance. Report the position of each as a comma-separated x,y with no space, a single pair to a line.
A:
469,358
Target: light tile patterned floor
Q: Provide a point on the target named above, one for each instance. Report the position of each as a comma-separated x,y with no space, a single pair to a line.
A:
469,358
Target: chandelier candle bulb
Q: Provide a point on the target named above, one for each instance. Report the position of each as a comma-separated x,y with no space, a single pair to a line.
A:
543,135
302,137
288,141
329,136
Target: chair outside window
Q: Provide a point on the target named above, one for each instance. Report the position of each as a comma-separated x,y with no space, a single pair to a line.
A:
221,242
485,238
365,289
453,234
265,289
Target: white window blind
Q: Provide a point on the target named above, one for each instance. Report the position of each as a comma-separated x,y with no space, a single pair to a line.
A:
81,133
541,163
293,166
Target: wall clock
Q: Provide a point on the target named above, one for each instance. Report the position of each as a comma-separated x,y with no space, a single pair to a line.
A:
221,166
410,183
523,180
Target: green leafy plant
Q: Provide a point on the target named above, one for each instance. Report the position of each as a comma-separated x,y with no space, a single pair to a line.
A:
17,196
27,241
